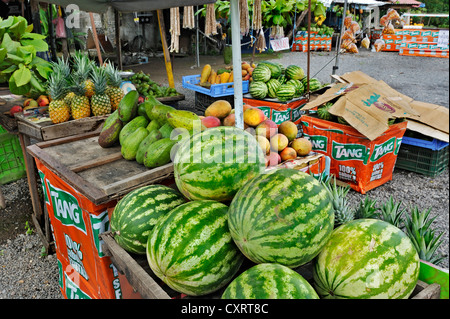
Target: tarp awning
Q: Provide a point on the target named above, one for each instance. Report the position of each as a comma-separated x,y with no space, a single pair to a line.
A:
372,3
100,6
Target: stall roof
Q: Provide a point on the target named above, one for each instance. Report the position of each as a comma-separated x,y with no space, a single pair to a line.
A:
100,6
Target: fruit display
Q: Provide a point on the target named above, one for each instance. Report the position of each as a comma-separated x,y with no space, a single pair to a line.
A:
273,80
136,214
82,89
147,87
383,262
191,249
209,76
269,281
284,216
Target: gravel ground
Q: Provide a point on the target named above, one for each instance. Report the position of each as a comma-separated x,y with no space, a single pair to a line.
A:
25,273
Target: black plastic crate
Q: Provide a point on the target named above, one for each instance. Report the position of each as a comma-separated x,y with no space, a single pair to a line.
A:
202,101
422,160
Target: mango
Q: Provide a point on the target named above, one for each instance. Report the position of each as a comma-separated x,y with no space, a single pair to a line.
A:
273,159
210,121
267,128
302,146
264,144
289,129
219,109
253,116
288,154
278,142
230,120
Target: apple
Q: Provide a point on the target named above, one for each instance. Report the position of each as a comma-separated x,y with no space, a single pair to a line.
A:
15,109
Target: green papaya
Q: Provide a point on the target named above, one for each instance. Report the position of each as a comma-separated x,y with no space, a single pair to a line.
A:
130,145
182,119
128,106
165,130
142,112
158,113
152,137
153,125
109,134
158,153
130,127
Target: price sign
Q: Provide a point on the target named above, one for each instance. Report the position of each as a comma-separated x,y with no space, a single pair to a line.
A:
443,38
280,44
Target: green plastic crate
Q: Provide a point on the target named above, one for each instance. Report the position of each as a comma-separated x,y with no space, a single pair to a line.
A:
422,160
12,164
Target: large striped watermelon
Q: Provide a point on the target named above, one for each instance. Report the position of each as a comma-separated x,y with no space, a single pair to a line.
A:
283,217
269,281
261,73
136,214
258,90
275,69
215,163
286,92
273,85
294,72
191,249
367,258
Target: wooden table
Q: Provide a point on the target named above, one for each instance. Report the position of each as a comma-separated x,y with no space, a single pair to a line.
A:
47,131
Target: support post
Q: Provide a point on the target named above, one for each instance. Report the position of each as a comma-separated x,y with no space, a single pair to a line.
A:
338,41
118,43
165,49
237,64
94,33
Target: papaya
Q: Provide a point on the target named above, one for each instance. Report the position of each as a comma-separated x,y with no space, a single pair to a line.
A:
130,127
130,145
153,125
158,113
165,130
158,153
128,106
224,77
212,78
152,137
231,78
142,111
109,134
219,109
206,72
182,119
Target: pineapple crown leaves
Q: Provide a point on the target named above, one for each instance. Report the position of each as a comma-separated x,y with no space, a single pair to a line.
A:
392,212
83,66
367,208
337,194
57,85
99,78
77,84
417,227
113,75
61,66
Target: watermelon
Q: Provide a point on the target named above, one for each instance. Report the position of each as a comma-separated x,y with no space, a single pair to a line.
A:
269,281
191,249
273,85
275,69
136,214
284,216
367,258
298,87
294,72
261,73
282,79
323,113
215,163
314,84
285,92
258,90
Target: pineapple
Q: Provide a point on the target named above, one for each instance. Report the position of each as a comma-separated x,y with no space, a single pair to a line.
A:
58,110
392,212
114,91
367,208
100,102
84,67
342,210
80,105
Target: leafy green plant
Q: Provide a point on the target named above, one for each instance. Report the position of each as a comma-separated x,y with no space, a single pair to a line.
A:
417,227
367,208
19,65
28,229
392,212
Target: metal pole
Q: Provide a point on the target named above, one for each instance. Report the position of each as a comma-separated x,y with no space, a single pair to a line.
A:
197,38
338,42
237,64
309,48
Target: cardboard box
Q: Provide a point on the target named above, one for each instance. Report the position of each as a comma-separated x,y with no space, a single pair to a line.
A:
367,104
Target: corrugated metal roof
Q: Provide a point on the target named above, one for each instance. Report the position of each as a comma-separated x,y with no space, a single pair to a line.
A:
406,2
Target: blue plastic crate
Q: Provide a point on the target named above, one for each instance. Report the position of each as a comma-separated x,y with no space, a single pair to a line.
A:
216,90
435,145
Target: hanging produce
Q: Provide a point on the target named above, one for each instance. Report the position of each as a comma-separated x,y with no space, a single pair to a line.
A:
174,30
245,18
188,17
210,24
257,15
261,42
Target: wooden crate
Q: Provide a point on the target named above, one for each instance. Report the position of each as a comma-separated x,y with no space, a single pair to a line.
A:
146,284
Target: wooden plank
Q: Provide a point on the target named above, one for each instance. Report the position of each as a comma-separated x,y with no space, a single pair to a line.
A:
30,130
432,291
126,183
74,127
136,275
96,162
94,194
67,139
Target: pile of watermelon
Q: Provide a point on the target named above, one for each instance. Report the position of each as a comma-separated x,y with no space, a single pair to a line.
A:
226,211
274,81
